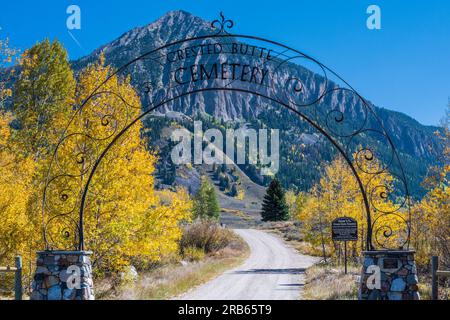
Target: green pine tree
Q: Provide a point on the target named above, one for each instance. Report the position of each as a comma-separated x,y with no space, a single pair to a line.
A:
206,204
167,169
274,206
234,190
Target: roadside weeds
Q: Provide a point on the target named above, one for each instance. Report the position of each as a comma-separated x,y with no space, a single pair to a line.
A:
174,279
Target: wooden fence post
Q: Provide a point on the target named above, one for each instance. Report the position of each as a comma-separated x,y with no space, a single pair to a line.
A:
18,279
434,278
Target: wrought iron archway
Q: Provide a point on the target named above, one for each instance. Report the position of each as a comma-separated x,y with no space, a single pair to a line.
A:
270,78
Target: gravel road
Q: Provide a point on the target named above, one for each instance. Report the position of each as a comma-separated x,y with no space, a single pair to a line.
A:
273,271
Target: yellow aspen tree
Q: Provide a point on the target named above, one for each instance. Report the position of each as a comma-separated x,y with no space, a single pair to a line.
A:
42,99
125,218
15,188
17,233
291,198
336,195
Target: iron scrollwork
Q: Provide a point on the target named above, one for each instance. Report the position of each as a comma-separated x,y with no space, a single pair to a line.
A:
222,24
69,176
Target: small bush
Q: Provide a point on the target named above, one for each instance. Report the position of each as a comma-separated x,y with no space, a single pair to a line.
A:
206,235
293,236
307,248
193,254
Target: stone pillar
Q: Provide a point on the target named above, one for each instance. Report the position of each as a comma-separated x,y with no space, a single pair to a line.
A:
63,275
397,276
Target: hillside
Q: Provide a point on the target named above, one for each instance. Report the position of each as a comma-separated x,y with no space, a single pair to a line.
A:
238,195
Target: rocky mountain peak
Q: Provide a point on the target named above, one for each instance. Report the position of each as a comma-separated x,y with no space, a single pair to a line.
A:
172,26
416,142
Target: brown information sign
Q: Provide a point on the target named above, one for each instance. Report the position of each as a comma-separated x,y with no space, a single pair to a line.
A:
344,229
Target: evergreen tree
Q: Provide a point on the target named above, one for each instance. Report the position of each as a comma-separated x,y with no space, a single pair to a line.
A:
206,204
216,173
166,168
274,206
234,190
171,172
224,182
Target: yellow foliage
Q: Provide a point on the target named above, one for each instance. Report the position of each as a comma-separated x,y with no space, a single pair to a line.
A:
17,236
125,219
240,194
291,198
336,195
15,188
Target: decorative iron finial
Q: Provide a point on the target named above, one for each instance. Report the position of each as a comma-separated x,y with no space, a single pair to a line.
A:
222,24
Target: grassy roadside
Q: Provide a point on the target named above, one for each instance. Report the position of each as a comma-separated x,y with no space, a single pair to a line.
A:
175,279
327,282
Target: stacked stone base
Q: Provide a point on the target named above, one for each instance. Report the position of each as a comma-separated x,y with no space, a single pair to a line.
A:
398,276
53,282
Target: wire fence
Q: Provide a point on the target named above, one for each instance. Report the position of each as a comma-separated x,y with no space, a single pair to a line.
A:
11,280
440,281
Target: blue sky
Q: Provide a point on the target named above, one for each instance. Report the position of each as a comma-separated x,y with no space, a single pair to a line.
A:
405,66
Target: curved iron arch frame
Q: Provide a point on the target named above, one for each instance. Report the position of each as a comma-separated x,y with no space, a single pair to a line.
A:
222,25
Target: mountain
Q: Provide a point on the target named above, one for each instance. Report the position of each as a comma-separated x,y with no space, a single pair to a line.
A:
416,143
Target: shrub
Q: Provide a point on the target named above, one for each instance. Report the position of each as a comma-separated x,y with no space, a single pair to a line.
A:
206,235
193,254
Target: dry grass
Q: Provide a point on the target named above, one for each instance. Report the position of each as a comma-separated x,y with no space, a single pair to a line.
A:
239,213
171,280
288,230
325,282
425,288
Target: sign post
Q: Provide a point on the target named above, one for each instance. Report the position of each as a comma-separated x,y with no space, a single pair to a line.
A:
344,229
345,257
